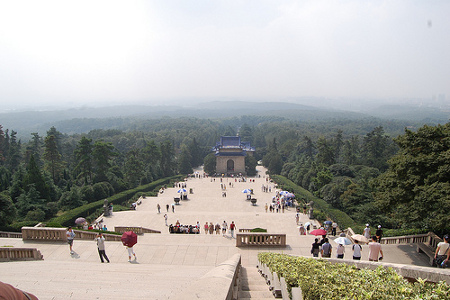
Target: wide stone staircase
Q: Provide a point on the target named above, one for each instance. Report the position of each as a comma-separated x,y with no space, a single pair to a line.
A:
252,285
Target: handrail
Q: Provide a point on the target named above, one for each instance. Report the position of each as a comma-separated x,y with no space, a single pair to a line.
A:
14,235
135,229
59,234
430,239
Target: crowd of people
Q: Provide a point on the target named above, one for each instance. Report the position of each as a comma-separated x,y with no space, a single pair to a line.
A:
325,249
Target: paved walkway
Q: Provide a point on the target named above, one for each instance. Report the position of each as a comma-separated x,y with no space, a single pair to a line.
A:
167,262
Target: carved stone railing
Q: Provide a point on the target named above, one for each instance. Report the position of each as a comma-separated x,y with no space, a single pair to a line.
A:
407,239
14,235
9,254
222,282
135,229
59,234
91,235
260,239
244,230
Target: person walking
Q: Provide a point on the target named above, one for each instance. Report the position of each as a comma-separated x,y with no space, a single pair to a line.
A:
159,208
356,250
315,249
367,232
211,228
375,250
326,248
206,228
340,251
101,247
70,237
333,228
131,253
167,207
165,219
173,207
224,228
442,253
232,228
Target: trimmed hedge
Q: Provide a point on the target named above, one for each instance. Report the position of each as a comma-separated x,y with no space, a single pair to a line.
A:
320,279
257,229
341,218
68,218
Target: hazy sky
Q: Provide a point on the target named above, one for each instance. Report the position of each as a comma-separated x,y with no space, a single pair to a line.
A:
87,52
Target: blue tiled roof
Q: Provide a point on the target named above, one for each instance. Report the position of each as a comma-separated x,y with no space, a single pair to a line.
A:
230,141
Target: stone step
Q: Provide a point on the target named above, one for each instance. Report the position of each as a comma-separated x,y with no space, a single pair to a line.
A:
255,294
252,285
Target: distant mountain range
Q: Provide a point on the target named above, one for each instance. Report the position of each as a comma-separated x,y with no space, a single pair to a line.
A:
119,117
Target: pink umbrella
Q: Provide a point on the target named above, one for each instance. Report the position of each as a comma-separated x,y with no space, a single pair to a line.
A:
319,232
129,238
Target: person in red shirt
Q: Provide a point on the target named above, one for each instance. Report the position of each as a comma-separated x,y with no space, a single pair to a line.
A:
232,228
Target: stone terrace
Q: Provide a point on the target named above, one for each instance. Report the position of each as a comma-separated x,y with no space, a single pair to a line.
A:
167,262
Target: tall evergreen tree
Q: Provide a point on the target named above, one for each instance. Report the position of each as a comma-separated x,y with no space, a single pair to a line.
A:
167,162
52,157
35,178
102,155
83,156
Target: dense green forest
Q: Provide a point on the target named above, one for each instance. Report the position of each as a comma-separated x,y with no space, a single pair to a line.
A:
376,171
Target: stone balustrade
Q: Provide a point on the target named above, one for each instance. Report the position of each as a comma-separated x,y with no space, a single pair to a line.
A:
244,230
9,254
260,239
135,229
222,282
407,239
59,234
14,235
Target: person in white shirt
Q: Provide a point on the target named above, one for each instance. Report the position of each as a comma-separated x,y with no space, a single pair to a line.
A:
367,232
340,251
101,247
442,252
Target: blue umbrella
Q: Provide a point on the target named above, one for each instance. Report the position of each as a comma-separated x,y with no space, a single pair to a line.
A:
327,222
343,241
247,191
182,191
284,192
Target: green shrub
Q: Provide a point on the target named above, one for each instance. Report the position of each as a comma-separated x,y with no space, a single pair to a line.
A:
17,226
68,218
320,279
322,209
258,230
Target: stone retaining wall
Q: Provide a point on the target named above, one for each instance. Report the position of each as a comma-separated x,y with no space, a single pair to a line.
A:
222,282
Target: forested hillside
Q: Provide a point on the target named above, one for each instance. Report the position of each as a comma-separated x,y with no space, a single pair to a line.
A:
362,167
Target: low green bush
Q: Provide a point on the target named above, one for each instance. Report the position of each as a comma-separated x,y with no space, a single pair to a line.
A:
303,196
258,230
17,226
68,218
320,279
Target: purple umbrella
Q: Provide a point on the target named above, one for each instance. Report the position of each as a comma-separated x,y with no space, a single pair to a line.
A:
80,220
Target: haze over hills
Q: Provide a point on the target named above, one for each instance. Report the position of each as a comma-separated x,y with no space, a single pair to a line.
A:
120,117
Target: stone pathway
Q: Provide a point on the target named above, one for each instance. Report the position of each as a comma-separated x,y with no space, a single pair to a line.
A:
167,262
